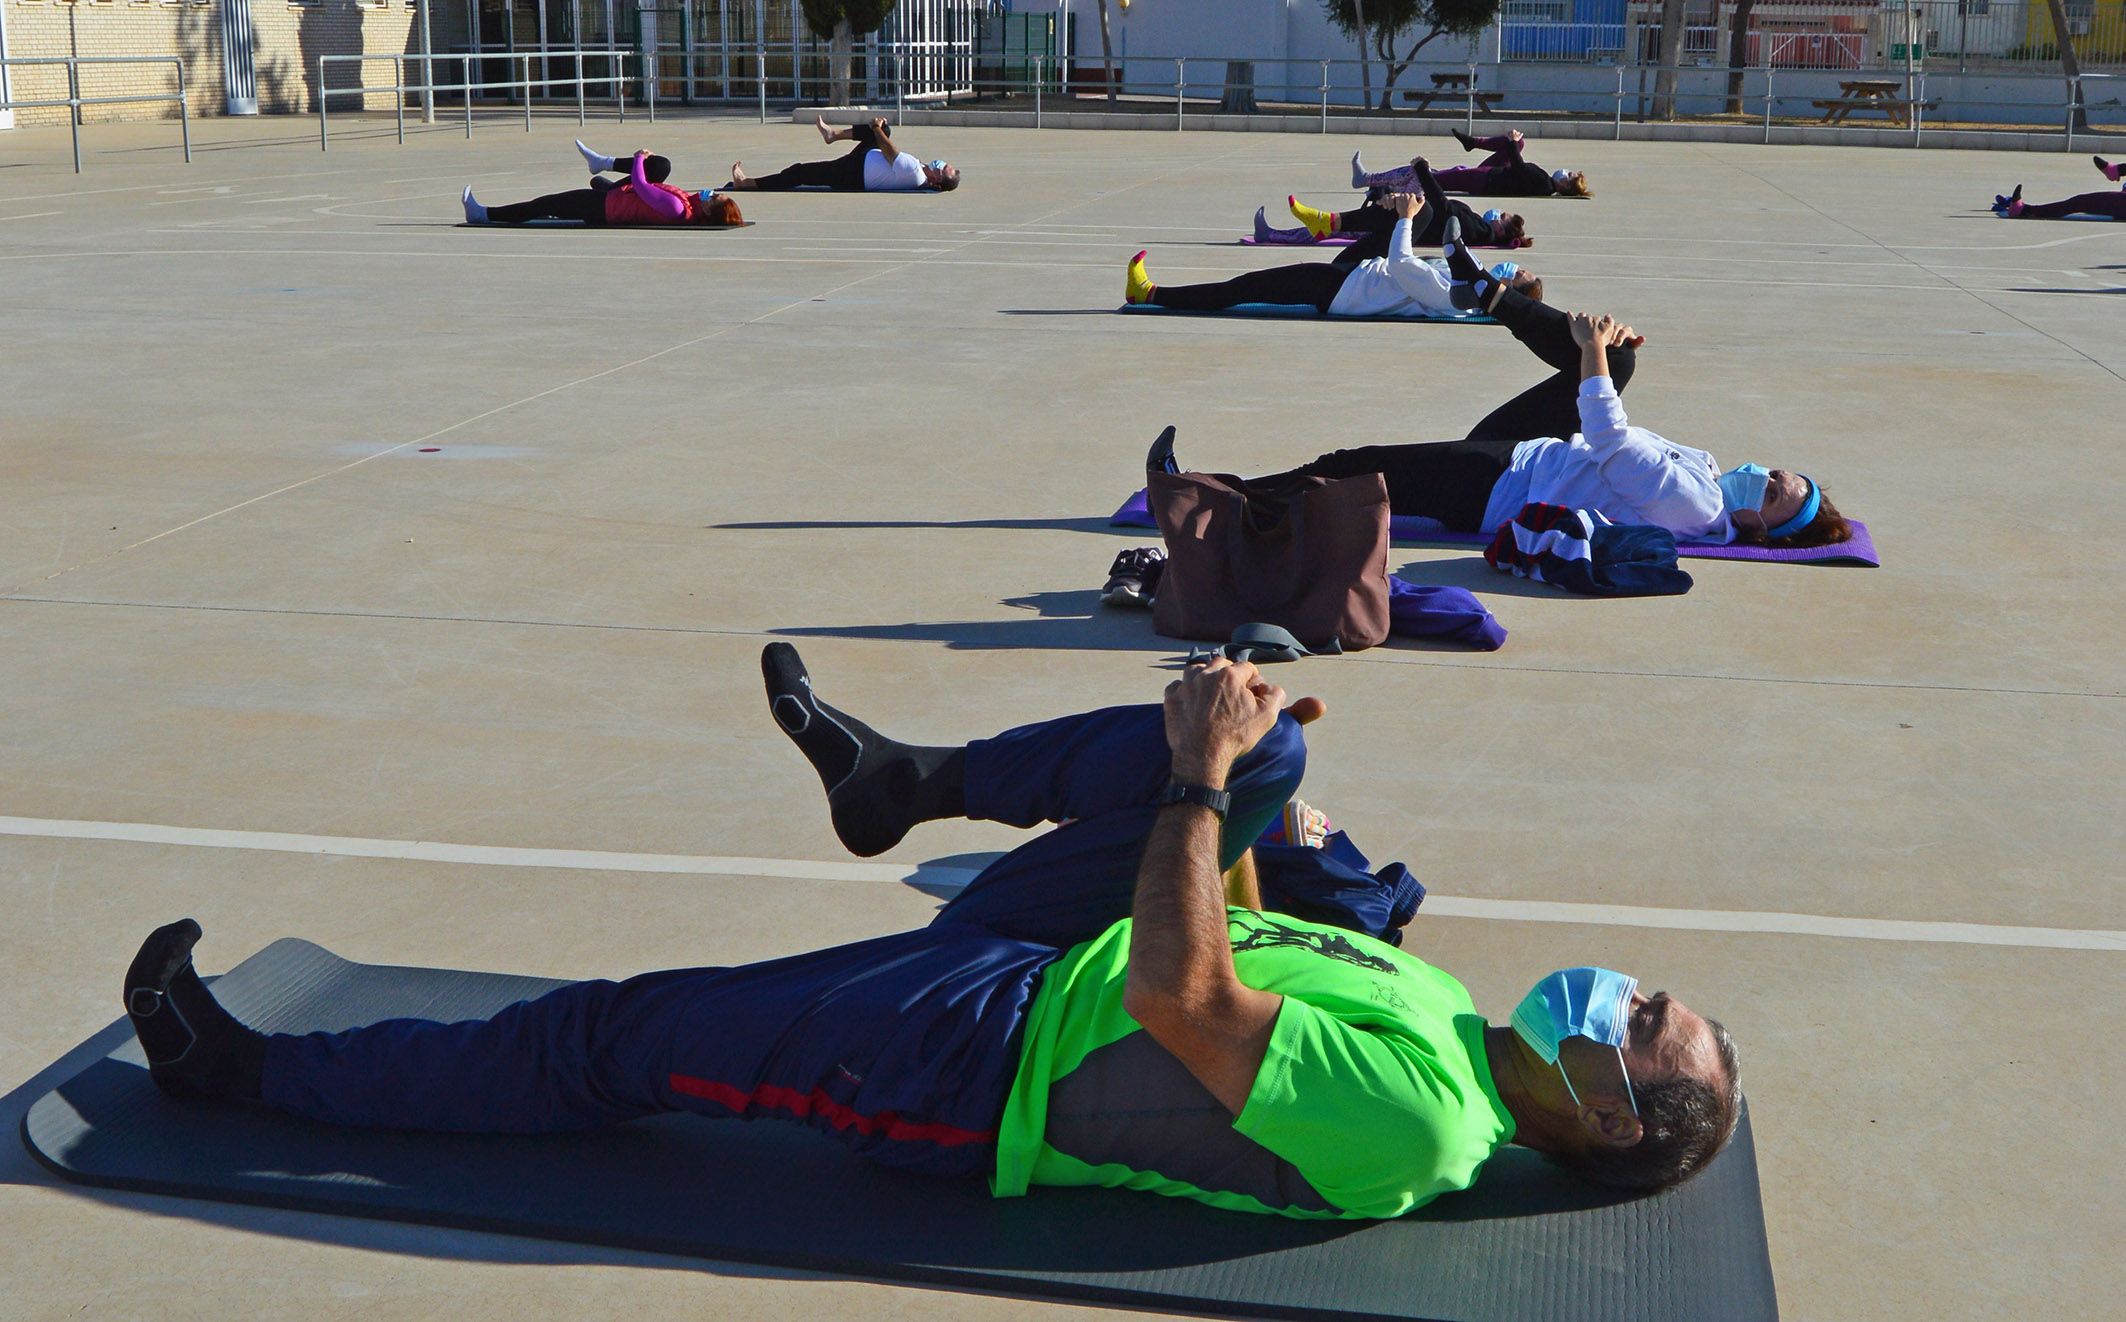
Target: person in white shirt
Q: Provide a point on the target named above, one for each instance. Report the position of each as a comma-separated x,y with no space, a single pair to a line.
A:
1566,441
874,165
1401,284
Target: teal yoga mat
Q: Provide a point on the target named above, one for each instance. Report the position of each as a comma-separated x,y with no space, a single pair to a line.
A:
1527,1243
1298,312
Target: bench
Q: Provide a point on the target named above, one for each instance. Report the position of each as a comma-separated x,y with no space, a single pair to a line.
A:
1451,87
1837,109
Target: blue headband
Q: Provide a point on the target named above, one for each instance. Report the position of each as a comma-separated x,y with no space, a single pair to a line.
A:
1809,509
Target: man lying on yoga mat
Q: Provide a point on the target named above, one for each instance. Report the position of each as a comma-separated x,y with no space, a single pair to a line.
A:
1399,284
1501,174
642,199
1565,441
873,165
2110,206
1088,1011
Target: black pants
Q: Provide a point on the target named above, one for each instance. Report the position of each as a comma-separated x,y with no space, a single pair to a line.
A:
2112,204
1451,481
1377,222
655,168
845,172
1313,283
584,204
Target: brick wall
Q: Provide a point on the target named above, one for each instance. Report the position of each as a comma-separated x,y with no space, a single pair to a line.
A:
287,39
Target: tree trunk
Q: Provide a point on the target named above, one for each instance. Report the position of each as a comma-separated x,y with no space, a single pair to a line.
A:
1738,53
1107,54
2070,67
1671,55
1239,97
839,56
1365,56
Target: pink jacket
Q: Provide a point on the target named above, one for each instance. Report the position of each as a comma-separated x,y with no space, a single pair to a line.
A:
640,202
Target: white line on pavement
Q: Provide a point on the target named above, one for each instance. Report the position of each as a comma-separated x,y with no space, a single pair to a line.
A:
1446,906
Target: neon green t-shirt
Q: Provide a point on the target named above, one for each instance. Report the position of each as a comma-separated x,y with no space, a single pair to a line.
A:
1374,1096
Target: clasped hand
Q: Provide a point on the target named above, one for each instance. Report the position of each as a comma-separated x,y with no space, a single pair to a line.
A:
1218,710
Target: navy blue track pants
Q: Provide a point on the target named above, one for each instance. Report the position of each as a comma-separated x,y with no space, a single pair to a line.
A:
905,1045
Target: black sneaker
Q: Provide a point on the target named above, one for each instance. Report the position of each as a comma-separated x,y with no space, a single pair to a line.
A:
1160,458
1133,580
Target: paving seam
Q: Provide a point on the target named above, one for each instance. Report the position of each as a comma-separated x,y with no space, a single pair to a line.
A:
1383,656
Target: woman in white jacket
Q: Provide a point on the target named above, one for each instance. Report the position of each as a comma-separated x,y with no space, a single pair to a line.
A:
1567,442
1401,284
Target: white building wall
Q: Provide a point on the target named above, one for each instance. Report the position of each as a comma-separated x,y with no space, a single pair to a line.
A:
1286,38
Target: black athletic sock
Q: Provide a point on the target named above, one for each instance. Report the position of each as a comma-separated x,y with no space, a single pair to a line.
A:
1468,143
194,1047
878,789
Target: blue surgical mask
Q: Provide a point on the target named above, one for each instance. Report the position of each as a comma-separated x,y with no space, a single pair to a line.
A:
1505,271
1579,1002
938,166
1743,488
1491,217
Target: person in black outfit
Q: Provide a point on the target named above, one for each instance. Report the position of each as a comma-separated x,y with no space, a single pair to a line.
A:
1504,173
1375,220
855,171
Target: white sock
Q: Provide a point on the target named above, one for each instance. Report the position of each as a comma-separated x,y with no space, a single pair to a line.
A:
1358,172
475,214
599,164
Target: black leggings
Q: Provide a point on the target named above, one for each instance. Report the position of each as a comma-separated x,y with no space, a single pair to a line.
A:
1313,283
844,173
2112,204
1451,481
584,204
1377,222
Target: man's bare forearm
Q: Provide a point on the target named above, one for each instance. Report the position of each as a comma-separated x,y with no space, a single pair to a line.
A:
1179,953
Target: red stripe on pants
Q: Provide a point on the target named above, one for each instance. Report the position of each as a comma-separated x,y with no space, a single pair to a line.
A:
789,1101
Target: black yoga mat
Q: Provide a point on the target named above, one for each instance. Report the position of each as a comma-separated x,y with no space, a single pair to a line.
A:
1528,1242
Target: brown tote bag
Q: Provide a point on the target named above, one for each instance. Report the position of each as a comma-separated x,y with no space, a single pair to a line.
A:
1308,554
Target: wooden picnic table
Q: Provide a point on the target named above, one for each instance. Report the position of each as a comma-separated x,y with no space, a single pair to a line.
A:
1879,95
1452,87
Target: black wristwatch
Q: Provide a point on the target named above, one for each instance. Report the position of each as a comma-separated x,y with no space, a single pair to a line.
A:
1219,802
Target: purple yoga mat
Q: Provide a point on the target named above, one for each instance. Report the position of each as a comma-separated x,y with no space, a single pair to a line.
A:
1136,513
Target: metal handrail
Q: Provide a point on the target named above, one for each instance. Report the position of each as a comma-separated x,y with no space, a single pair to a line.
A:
75,101
428,87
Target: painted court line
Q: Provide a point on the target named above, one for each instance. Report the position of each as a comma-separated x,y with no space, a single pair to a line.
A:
1450,906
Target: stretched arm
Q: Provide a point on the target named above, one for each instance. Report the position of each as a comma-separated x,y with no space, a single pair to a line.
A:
1412,274
660,200
1182,986
884,144
1641,469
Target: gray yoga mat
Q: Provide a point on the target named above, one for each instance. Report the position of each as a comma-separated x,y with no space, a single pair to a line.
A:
1526,1243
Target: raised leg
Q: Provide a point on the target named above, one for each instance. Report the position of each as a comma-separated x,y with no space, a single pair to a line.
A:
1100,771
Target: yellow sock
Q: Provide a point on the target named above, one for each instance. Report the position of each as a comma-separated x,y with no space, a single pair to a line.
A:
1319,223
1137,286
